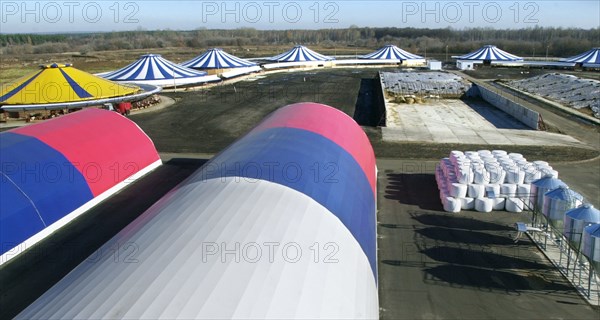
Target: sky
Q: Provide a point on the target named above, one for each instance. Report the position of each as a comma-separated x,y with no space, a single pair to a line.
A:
105,16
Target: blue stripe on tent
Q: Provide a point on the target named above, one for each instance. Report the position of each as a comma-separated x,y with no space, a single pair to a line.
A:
79,91
49,186
19,220
19,88
311,164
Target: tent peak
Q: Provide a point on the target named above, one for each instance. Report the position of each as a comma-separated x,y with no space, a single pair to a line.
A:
55,65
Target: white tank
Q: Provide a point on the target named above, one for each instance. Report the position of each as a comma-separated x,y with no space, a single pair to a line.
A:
540,187
591,244
557,202
577,219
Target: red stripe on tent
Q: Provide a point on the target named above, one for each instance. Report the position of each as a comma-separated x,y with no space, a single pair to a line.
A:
331,123
104,146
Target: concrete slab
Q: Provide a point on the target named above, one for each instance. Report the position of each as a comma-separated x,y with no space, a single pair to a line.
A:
458,121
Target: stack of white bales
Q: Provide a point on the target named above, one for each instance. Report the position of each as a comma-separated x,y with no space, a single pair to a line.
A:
488,180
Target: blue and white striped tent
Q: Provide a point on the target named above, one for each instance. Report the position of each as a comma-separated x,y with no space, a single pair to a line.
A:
490,53
391,52
156,70
217,59
589,57
300,54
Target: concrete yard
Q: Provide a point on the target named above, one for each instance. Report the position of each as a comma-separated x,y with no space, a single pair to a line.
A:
463,121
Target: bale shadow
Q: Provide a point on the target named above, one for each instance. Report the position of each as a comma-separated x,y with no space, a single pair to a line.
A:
482,259
492,279
414,189
463,236
456,222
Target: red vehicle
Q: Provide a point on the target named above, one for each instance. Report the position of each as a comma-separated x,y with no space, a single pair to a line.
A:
123,108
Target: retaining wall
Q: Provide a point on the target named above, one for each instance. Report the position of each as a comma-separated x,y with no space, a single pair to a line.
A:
527,116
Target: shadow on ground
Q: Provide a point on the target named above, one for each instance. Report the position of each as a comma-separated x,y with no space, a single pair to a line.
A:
29,275
414,189
506,259
492,279
458,222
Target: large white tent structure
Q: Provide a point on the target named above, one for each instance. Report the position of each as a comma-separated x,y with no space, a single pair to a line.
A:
298,56
488,54
391,52
590,58
155,70
218,61
242,240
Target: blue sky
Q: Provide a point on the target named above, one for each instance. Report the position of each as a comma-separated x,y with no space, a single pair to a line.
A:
83,16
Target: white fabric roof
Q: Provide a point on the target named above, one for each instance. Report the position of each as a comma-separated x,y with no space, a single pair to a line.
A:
173,261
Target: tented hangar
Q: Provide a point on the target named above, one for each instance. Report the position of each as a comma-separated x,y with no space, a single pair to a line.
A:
54,171
281,224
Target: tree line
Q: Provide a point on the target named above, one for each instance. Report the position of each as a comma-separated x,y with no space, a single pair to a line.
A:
559,42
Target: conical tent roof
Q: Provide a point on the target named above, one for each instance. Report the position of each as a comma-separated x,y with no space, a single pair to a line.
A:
61,83
217,59
591,56
156,70
391,52
298,54
490,52
585,212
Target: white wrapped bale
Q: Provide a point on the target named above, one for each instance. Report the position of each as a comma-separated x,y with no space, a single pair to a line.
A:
515,156
452,204
515,175
508,189
476,190
457,190
463,174
540,163
492,190
524,193
467,203
484,204
549,173
498,153
498,204
496,173
481,176
484,153
514,205
531,174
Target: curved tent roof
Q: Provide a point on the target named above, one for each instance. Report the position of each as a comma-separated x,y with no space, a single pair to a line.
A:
156,70
75,155
591,56
491,53
300,54
391,52
217,59
234,240
61,83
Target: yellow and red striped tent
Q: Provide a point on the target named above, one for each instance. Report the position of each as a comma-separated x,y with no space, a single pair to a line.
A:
61,83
